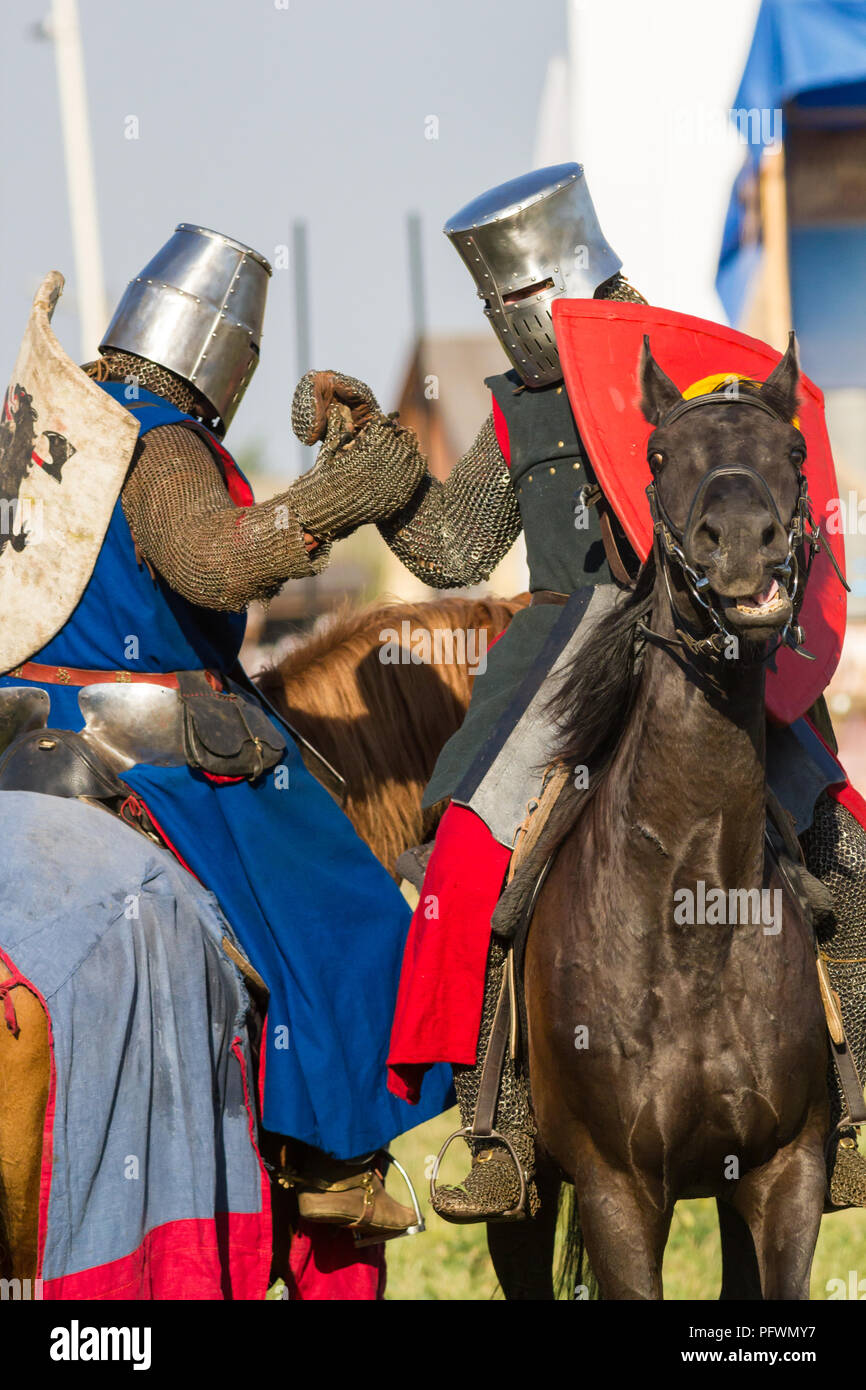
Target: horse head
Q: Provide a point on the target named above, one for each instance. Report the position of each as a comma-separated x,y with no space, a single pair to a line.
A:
728,493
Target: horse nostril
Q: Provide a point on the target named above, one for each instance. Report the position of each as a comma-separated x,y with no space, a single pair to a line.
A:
768,536
714,534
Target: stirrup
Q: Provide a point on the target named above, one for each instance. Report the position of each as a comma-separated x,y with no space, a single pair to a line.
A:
416,1229
515,1213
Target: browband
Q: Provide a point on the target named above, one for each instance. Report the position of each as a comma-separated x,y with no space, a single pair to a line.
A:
714,398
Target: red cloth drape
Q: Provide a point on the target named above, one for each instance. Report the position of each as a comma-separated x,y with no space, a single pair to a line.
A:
442,982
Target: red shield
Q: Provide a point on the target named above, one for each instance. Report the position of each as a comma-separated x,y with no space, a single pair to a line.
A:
599,343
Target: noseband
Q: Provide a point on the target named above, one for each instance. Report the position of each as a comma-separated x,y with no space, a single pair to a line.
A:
669,547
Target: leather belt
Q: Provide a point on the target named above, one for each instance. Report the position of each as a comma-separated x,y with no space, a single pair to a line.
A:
548,596
72,675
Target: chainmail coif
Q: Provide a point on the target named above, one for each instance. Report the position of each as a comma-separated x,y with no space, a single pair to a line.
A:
835,851
454,534
126,367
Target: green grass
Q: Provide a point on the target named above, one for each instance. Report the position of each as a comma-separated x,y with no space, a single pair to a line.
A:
451,1262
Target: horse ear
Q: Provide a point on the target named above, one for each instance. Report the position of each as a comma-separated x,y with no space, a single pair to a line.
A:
780,390
659,395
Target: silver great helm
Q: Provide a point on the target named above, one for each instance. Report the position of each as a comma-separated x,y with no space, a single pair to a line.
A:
526,243
197,308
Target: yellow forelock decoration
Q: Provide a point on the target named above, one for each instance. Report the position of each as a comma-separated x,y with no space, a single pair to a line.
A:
710,383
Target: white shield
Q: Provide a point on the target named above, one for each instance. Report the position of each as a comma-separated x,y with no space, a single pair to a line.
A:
65,447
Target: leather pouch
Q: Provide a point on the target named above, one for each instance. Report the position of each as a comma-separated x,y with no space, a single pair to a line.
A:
226,733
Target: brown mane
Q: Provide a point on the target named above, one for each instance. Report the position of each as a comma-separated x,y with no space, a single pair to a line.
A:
382,725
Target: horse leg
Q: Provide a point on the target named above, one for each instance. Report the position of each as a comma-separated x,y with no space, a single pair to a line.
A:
26,1069
782,1203
625,1228
741,1276
522,1251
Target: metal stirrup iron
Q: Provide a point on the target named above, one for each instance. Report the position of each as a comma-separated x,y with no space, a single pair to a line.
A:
414,1230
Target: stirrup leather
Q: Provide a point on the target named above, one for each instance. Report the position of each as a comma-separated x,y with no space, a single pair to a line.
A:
502,1034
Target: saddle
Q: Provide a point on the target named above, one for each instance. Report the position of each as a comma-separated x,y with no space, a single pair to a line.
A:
57,762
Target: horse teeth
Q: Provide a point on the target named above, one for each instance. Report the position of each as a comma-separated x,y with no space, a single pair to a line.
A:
775,599
769,607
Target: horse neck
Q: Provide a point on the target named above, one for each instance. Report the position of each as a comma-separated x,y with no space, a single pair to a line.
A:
693,760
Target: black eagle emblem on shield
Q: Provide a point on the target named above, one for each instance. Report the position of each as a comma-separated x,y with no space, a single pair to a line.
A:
18,438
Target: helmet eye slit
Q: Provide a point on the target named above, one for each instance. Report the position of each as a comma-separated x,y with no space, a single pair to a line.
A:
527,292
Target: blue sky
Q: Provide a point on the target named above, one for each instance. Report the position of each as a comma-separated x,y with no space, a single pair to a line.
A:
253,114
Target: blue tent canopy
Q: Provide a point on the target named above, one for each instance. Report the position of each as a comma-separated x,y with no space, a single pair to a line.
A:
810,50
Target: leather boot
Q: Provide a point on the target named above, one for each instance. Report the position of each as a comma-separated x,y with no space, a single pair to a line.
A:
835,850
343,1192
491,1188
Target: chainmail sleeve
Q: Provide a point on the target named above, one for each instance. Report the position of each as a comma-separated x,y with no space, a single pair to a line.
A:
454,533
186,526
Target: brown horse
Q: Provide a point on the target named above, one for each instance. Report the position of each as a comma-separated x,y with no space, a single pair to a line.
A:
382,726
677,1053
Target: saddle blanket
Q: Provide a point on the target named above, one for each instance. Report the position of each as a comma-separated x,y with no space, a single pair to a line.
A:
152,1184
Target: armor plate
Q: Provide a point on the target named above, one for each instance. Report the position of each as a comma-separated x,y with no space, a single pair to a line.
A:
65,447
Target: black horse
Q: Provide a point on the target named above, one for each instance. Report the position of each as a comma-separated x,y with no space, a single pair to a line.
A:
705,1069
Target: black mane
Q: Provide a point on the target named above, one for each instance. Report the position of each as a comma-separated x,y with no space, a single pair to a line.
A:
599,687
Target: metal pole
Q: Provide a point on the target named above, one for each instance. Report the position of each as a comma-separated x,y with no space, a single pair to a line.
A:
300,260
303,362
574,15
66,33
419,323
416,277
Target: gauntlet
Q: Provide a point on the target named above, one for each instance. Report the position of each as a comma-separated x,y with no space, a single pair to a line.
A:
368,467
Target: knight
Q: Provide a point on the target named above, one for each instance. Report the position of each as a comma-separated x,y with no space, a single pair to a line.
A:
133,612
527,243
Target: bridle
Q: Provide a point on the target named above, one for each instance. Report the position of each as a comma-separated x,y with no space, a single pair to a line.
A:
793,572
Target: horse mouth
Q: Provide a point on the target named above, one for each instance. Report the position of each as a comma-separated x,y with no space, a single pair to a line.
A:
769,608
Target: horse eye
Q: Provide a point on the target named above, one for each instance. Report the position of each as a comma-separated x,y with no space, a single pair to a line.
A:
655,460
798,456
